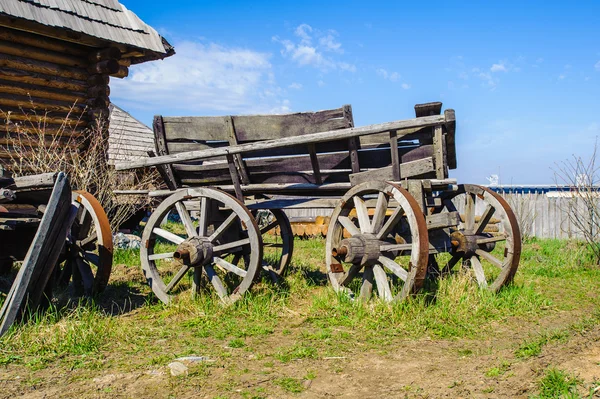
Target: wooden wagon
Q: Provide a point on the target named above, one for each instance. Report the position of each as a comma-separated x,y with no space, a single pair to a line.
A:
397,214
60,236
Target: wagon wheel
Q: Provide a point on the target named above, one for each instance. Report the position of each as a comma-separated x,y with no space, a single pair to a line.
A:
278,241
379,229
211,248
488,239
88,255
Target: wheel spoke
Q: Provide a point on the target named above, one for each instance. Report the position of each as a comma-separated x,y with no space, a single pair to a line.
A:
478,270
380,211
89,239
469,211
393,267
391,222
224,226
352,272
229,267
485,219
92,258
186,219
239,243
177,278
174,238
272,245
215,281
383,286
348,225
166,255
367,285
86,274
363,215
500,237
203,223
453,261
490,258
269,227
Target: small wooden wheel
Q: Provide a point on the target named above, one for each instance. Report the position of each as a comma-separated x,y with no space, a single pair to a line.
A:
211,247
278,241
377,229
88,253
488,239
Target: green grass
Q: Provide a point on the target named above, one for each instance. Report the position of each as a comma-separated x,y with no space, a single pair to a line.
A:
304,320
557,384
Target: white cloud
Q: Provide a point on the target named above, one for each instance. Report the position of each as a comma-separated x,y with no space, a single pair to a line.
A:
562,76
597,66
405,86
329,43
499,68
296,86
320,83
203,78
391,76
309,47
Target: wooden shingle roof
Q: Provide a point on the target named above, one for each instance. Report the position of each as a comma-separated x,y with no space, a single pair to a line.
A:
107,20
128,138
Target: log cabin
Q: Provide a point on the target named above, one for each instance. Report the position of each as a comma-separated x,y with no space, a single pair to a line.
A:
56,61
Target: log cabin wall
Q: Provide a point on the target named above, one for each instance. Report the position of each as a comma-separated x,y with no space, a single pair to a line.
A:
45,81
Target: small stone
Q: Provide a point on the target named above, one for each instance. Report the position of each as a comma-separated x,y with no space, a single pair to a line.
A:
306,383
193,359
178,369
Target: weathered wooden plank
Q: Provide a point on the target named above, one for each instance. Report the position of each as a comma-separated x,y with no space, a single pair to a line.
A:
420,168
287,142
450,125
438,153
253,127
161,150
442,220
394,154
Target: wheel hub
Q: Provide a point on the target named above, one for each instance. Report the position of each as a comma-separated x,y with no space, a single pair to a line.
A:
194,251
467,243
361,248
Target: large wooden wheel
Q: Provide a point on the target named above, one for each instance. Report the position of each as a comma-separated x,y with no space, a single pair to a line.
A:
210,247
488,239
377,236
88,255
278,241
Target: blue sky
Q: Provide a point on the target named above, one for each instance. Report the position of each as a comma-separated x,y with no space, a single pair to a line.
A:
523,77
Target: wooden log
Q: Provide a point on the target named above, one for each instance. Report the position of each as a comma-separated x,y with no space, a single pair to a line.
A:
40,41
106,67
45,118
99,91
97,80
286,142
70,138
48,68
44,180
40,104
21,129
39,79
108,53
40,54
123,72
125,62
24,89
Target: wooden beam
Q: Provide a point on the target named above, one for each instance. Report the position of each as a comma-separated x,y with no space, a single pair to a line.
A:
421,167
286,142
161,149
19,36
314,160
237,158
395,158
17,75
438,153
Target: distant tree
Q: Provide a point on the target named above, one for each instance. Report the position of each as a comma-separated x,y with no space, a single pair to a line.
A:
583,207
